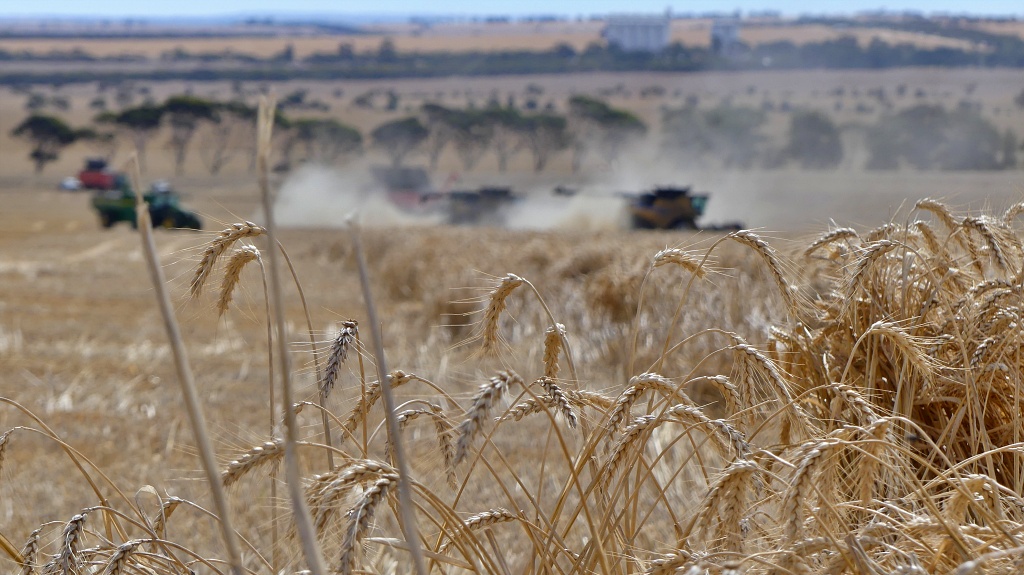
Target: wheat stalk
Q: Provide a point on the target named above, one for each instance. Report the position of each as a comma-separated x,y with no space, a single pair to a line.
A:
339,353
552,348
372,395
559,399
984,229
360,517
270,453
5,440
802,488
66,560
496,304
232,273
118,562
637,386
168,507
216,249
328,488
686,260
477,522
488,394
835,235
940,210
29,551
771,259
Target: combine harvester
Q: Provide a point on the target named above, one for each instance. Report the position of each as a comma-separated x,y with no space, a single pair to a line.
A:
114,199
664,208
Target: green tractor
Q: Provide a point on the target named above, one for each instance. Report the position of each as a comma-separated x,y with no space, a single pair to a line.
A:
118,205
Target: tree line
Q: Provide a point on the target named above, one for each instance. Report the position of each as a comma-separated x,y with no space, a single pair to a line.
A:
923,136
591,127
988,50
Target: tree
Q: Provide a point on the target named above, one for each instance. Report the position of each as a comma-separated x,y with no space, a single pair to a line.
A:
48,135
471,136
106,141
729,134
508,135
618,129
326,140
185,113
440,130
141,122
596,125
814,141
928,137
237,126
1009,154
545,135
399,138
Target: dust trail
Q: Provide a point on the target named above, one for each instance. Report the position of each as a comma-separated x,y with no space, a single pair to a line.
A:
317,196
582,212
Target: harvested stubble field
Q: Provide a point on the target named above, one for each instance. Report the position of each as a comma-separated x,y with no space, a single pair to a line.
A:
467,36
569,401
841,404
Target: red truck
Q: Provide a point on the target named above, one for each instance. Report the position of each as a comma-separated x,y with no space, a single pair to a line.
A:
97,176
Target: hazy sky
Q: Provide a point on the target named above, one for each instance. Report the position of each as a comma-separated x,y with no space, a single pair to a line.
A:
164,8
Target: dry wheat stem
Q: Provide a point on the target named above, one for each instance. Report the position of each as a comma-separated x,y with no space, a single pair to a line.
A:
327,489
168,507
771,259
496,303
216,248
187,382
343,342
940,210
372,395
359,521
835,235
232,273
406,510
553,337
118,562
686,260
488,395
5,440
637,386
559,399
29,551
300,513
477,522
269,454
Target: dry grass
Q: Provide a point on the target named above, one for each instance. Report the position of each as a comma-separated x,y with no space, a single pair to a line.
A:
851,409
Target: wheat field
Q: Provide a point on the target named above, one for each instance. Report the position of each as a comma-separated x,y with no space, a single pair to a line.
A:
836,398
567,401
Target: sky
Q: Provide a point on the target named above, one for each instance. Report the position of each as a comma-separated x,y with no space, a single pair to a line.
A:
216,8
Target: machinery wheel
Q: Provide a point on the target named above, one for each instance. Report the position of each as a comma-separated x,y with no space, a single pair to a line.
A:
169,222
105,220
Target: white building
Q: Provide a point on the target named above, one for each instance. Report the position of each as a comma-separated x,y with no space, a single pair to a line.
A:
638,33
725,37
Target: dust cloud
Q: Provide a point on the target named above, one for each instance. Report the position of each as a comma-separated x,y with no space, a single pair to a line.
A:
581,212
322,197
